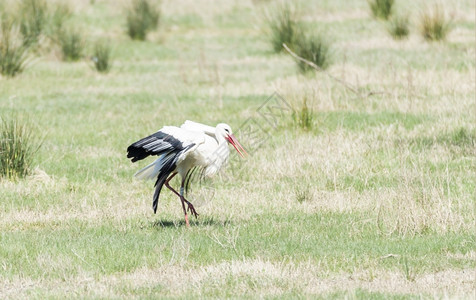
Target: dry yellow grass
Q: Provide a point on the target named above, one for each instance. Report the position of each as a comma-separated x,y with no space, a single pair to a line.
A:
263,277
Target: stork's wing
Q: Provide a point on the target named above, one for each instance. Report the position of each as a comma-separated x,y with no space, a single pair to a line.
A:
199,127
166,140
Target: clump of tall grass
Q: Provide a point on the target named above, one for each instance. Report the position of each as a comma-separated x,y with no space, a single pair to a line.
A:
102,56
381,9
408,273
18,146
59,14
312,47
303,193
283,25
399,27
434,25
142,17
463,137
72,44
33,15
14,55
303,116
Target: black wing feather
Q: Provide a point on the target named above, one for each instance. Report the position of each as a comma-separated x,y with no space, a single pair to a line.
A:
168,167
155,144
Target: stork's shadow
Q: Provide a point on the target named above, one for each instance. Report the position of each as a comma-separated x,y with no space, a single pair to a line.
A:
200,222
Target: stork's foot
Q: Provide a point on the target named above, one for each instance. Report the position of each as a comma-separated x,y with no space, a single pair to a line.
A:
191,209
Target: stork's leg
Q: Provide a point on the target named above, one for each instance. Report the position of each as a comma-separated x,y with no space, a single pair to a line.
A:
185,212
168,185
182,198
189,205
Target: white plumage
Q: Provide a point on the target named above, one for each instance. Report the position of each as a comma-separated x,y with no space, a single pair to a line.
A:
194,126
180,150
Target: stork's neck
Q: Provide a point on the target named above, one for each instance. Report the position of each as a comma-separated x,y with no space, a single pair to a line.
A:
219,157
220,139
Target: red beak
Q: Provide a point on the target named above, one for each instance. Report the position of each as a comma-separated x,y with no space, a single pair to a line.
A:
232,140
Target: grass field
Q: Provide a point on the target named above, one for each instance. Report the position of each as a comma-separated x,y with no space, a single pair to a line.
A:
376,200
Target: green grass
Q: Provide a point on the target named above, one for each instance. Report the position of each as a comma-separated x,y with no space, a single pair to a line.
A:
59,14
18,146
314,48
381,9
359,121
33,19
14,55
434,24
340,242
399,27
303,117
374,199
72,43
142,17
102,56
282,25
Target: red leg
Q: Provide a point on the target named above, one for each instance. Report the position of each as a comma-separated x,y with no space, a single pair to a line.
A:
189,205
168,185
185,212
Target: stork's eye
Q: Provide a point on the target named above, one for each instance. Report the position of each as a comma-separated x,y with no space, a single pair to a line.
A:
227,130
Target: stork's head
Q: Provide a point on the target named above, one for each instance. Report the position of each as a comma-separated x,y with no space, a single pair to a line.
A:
224,130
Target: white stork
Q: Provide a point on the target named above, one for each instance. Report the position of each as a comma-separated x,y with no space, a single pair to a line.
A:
180,150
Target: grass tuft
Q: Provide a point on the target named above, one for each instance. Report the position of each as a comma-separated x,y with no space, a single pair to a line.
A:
72,44
399,27
33,20
102,56
59,14
381,9
303,193
463,137
18,146
14,54
434,24
314,48
303,116
407,271
283,26
142,16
